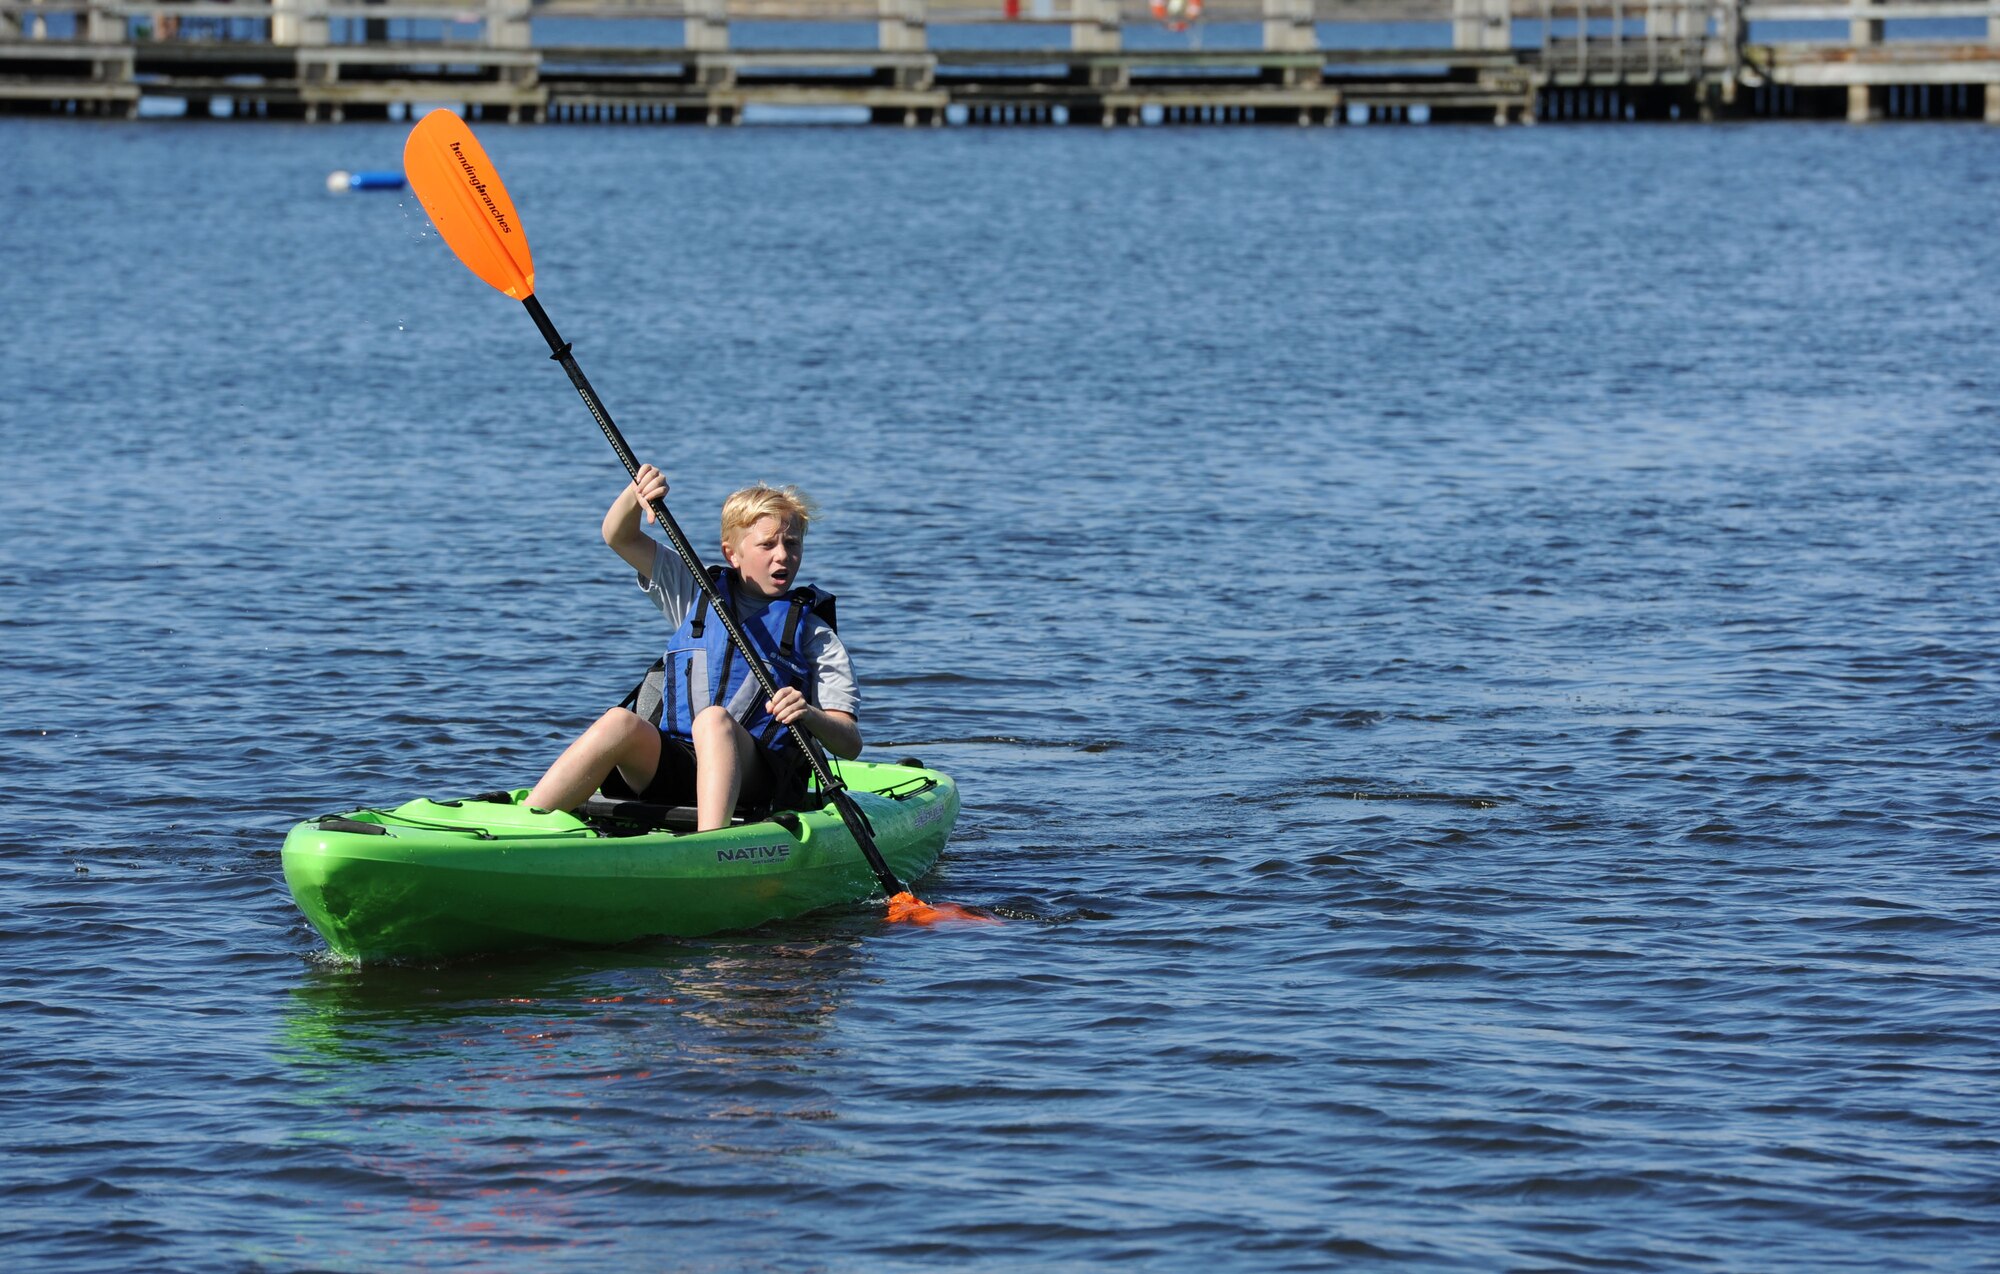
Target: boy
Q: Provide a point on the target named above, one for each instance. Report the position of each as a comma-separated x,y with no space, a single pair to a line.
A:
714,742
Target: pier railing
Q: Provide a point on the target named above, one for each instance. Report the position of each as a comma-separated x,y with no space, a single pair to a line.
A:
1566,59
1093,24
1617,29
1635,41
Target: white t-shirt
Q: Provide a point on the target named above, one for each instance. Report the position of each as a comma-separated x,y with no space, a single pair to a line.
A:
674,591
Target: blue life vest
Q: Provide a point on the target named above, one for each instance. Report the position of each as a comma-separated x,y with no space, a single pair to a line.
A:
702,667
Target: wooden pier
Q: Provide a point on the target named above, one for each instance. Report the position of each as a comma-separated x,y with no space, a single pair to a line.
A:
1067,62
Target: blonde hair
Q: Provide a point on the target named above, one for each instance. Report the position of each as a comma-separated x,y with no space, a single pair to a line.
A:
742,510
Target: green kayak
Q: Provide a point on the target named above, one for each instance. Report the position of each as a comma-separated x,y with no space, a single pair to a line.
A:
431,880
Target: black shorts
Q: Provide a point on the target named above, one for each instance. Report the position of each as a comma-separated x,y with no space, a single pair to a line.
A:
773,783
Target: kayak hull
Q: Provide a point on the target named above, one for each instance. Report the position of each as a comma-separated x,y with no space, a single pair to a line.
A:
435,880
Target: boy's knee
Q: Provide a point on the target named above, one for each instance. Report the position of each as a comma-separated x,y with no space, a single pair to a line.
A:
714,722
713,719
622,724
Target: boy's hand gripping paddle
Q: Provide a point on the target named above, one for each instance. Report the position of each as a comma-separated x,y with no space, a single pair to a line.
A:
462,193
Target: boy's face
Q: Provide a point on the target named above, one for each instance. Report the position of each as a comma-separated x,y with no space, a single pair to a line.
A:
767,554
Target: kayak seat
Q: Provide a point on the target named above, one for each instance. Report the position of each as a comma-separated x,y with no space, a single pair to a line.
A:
636,816
645,698
633,818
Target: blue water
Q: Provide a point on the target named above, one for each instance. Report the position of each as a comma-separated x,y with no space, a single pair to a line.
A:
1469,653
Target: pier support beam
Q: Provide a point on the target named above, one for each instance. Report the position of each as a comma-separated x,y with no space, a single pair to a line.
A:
1288,28
1095,26
900,25
1993,90
507,27
1863,104
1667,18
900,28
1730,29
705,29
1481,24
507,24
291,27
101,26
705,26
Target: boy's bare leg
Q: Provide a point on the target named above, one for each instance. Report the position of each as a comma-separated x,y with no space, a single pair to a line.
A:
723,750
620,739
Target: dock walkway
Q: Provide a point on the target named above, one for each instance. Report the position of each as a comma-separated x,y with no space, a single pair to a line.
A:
1052,61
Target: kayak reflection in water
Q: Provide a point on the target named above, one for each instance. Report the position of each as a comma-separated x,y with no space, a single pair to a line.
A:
713,740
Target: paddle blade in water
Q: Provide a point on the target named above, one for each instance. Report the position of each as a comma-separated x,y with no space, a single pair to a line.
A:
465,200
907,909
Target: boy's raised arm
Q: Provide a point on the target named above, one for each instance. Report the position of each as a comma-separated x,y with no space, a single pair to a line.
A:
621,521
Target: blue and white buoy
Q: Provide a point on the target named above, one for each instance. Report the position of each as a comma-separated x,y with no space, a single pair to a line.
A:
340,181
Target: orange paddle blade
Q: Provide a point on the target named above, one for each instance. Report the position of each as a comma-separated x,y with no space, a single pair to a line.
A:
461,192
907,909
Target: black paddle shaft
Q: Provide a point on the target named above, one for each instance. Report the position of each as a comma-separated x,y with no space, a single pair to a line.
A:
850,814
